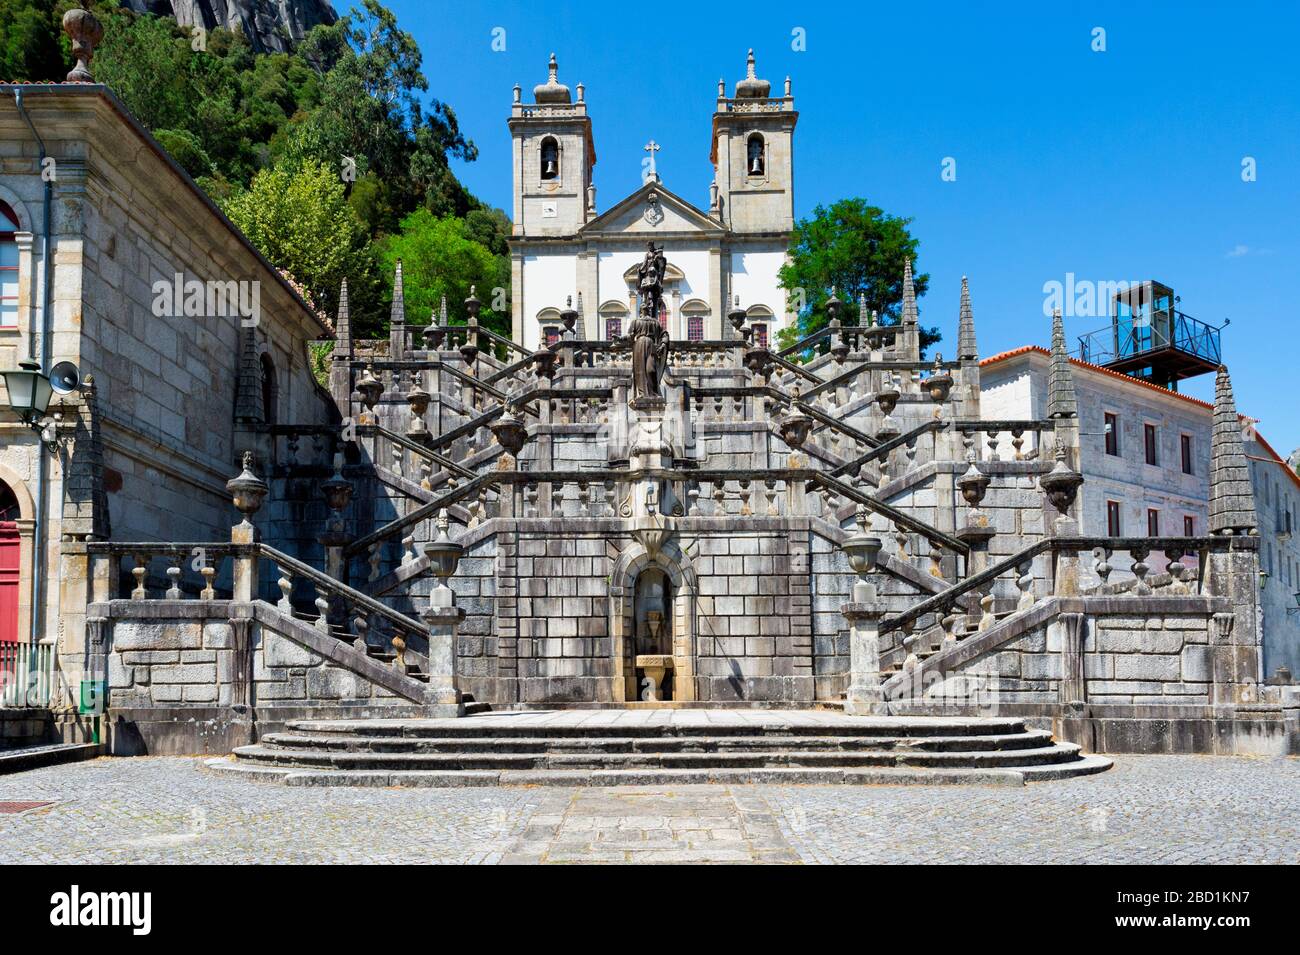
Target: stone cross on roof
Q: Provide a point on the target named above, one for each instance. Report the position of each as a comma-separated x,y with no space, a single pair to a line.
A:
652,147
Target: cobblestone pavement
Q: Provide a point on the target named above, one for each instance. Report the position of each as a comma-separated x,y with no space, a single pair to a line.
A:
1147,809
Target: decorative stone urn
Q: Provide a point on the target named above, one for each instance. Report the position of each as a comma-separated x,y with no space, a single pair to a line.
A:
862,550
418,400
795,426
973,485
544,362
1061,484
369,388
568,317
433,333
469,350
510,432
939,384
444,553
247,491
85,31
737,317
758,361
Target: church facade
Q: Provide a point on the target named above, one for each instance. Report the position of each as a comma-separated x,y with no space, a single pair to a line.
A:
567,252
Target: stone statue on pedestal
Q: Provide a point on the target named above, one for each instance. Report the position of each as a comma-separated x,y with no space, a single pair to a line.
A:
649,339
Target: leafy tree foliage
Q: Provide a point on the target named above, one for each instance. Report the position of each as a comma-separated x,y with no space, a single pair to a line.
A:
29,41
857,249
439,257
270,137
300,219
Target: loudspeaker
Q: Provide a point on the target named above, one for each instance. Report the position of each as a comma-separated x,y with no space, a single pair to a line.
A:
64,378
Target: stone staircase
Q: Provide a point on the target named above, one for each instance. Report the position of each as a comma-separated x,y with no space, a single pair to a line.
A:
658,747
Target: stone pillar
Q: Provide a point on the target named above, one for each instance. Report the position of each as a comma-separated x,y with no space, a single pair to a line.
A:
443,619
864,695
1235,637
1069,632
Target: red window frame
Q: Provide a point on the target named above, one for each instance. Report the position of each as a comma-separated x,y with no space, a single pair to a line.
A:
1151,444
1112,434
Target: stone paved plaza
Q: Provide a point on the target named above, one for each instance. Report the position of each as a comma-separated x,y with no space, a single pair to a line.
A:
1148,809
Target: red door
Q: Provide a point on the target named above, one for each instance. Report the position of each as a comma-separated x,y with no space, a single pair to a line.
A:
8,582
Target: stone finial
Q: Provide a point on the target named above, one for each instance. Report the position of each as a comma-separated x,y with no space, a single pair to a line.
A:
1232,497
85,31
343,324
909,294
751,87
397,315
1061,400
967,350
864,319
552,91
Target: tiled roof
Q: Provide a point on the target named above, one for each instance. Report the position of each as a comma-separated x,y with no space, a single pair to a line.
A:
1129,379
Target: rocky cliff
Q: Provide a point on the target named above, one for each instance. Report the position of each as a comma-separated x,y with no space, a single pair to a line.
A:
270,25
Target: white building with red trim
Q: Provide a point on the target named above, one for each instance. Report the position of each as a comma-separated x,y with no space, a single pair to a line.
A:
1145,457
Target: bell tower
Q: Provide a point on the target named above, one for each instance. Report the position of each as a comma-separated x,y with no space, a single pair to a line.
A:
553,156
753,155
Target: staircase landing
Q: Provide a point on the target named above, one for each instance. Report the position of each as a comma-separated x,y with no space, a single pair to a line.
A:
658,747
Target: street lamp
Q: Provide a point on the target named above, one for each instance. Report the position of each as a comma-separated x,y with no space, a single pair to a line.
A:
30,391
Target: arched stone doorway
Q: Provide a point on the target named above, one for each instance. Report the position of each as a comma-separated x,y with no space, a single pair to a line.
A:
642,584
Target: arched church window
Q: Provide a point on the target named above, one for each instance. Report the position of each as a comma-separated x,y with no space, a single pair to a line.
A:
760,318
551,334
756,156
694,311
270,390
550,158
663,315
8,266
612,315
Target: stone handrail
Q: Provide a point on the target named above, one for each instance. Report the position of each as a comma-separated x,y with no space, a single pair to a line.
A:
417,448
935,536
1141,547
850,467
326,585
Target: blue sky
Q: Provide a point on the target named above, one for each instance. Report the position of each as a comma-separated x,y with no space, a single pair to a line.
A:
1117,165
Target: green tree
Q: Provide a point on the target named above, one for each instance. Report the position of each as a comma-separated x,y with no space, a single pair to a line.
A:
370,111
299,218
30,48
439,258
858,250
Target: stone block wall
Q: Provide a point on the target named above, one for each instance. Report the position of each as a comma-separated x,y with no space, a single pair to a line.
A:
754,622
1163,659
564,652
189,653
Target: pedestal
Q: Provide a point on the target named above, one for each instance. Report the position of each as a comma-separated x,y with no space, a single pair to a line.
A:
654,666
864,696
443,620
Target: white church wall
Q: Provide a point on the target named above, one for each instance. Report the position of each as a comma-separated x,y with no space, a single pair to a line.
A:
548,280
754,279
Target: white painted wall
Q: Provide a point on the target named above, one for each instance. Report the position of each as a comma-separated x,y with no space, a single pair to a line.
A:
549,279
754,279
